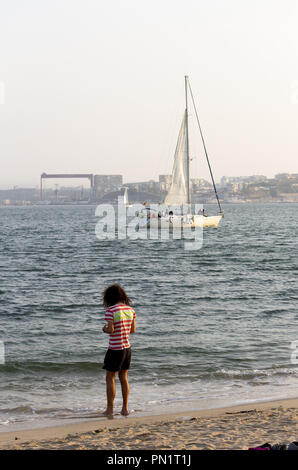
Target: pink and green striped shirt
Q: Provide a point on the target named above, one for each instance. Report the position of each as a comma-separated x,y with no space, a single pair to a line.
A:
122,317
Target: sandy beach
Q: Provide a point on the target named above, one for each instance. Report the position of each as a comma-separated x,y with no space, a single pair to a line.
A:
237,427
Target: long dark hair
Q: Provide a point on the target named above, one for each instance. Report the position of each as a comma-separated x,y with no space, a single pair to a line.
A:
114,294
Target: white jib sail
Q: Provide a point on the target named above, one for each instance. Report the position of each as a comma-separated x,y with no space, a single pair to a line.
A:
177,194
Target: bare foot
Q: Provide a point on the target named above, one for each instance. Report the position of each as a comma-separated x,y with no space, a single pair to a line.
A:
108,413
125,412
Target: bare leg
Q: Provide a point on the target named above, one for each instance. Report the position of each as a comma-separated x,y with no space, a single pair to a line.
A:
111,392
125,391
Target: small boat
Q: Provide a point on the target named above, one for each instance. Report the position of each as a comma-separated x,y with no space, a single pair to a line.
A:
125,197
179,194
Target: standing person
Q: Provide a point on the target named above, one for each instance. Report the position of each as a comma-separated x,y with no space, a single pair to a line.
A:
120,318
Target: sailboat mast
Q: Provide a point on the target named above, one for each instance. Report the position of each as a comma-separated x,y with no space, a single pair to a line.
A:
187,142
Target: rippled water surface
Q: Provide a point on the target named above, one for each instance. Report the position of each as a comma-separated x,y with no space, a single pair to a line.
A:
214,326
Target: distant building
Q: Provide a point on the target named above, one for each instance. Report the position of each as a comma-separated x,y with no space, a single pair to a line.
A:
165,182
146,186
257,178
226,180
199,183
285,176
104,184
18,195
236,187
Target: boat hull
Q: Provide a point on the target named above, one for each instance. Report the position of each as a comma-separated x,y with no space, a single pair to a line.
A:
210,221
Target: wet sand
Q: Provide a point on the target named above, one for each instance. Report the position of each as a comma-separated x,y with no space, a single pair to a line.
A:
237,427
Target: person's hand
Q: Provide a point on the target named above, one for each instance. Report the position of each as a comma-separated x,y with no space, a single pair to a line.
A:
108,328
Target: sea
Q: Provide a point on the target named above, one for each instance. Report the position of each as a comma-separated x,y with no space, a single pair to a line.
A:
215,326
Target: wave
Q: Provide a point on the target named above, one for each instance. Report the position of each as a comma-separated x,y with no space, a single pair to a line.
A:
21,414
254,373
34,366
159,368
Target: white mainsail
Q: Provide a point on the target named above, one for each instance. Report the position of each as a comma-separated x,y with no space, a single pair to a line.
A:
125,197
177,194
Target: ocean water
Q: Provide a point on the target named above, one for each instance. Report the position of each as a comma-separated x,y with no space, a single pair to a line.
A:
214,326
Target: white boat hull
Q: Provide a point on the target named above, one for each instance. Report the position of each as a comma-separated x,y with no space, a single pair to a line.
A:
210,221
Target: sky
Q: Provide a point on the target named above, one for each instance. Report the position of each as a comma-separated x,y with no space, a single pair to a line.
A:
90,86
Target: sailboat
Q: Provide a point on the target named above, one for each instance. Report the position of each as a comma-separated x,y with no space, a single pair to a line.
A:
179,193
125,197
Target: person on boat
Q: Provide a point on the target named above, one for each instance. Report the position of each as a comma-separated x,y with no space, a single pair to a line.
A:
202,212
120,318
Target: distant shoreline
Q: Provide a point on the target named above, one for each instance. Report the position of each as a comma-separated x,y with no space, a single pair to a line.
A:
113,203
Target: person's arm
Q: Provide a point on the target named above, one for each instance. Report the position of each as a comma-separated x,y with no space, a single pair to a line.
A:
108,328
133,326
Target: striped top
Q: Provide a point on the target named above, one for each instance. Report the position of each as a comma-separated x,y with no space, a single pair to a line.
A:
122,317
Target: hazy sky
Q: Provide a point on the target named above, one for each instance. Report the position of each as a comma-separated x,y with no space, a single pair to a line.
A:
98,86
